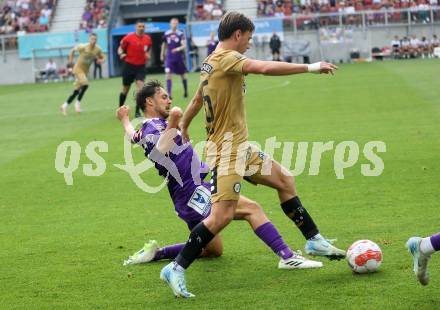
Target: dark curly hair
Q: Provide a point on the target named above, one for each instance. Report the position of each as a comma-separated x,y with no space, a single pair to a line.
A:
148,90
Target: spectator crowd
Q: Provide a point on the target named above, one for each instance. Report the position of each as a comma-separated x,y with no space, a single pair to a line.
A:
208,9
419,10
26,16
96,13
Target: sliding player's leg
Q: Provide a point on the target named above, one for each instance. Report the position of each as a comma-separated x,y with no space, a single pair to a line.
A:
273,175
251,212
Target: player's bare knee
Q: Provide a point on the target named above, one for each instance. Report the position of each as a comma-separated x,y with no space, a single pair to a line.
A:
252,210
286,183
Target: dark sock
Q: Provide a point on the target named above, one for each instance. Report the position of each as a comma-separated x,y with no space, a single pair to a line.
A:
72,96
122,98
302,219
185,87
199,237
82,90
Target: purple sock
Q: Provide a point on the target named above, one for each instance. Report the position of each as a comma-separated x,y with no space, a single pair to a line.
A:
169,252
270,235
169,86
185,86
435,241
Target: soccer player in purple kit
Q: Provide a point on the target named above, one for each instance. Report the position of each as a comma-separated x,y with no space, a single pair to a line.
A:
172,53
185,172
421,250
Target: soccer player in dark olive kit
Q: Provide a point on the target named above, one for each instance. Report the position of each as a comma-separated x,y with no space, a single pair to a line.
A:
221,92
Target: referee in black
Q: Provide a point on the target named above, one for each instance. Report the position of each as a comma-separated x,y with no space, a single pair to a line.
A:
134,51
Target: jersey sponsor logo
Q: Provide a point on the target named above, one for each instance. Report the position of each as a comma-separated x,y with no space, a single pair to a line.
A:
206,67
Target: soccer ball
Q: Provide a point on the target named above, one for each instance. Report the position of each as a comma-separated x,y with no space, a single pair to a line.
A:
364,256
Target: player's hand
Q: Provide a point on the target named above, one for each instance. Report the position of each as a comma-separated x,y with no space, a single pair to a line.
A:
123,112
161,58
100,61
175,50
327,68
176,113
122,56
322,67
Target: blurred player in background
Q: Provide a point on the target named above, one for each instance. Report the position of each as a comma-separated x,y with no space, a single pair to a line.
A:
173,55
134,51
185,172
211,44
421,250
228,152
435,42
87,54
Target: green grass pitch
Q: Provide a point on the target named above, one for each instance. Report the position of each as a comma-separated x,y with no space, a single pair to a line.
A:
63,246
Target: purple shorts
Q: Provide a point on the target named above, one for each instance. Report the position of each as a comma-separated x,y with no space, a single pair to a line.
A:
175,66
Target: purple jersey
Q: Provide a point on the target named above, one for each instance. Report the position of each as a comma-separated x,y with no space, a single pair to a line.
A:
174,62
183,169
174,40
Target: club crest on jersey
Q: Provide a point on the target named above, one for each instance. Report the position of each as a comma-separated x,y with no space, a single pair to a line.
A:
237,187
206,67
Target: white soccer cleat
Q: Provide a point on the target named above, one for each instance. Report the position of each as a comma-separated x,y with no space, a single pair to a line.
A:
63,109
297,261
175,280
323,247
420,260
77,107
144,255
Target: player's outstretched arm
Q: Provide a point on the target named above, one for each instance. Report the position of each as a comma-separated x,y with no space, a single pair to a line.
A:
283,68
166,139
122,114
191,111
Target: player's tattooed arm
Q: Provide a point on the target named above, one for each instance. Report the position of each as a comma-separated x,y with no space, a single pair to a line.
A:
122,114
191,111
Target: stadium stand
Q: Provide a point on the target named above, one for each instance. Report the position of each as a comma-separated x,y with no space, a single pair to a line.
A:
96,13
419,9
208,9
26,16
